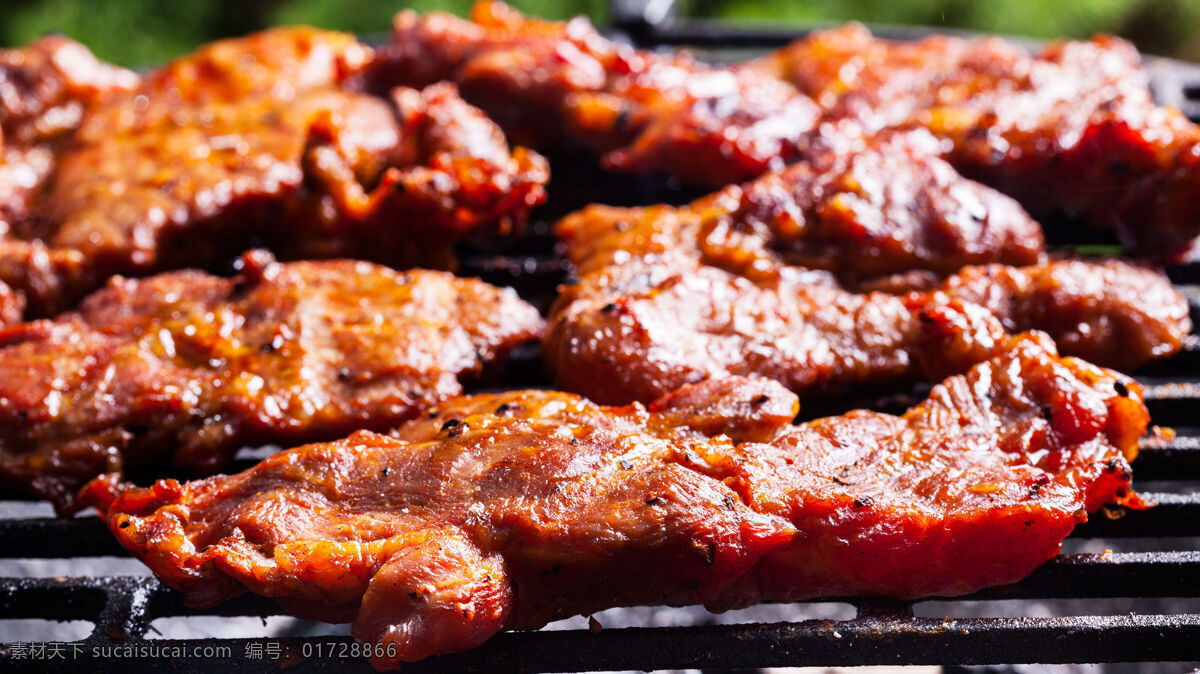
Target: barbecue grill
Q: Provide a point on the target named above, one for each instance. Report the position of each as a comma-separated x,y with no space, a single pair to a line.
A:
121,609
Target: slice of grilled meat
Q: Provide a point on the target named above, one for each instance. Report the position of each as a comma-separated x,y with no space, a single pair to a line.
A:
861,212
264,140
637,330
555,83
514,509
185,368
1071,128
47,86
45,89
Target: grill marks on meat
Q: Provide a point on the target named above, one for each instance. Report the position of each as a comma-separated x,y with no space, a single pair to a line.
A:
552,83
510,510
875,210
1071,128
264,140
186,368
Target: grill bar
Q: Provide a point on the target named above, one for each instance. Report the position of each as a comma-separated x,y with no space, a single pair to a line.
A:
49,538
864,641
711,34
1176,458
1084,576
872,638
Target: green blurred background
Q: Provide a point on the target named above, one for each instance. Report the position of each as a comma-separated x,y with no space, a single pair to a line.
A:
144,32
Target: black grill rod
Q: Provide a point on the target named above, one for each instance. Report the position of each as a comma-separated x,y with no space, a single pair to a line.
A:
126,614
718,34
642,19
876,640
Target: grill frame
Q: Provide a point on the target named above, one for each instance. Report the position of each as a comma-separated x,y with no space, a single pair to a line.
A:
883,632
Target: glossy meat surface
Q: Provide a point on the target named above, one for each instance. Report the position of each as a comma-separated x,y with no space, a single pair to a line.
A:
513,509
186,368
641,328
264,139
1071,128
1110,312
46,88
860,212
553,83
12,305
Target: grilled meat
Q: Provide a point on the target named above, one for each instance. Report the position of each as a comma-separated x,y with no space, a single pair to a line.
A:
12,305
1109,312
860,212
263,140
637,330
510,510
45,89
554,83
1070,128
187,368
743,282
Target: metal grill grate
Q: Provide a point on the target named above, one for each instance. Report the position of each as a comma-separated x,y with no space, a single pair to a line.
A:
122,608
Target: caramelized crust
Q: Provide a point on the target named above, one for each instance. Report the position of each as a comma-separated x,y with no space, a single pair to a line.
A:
638,330
45,89
861,212
551,83
828,280
1109,312
12,305
975,486
510,510
263,140
1071,128
46,86
186,368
